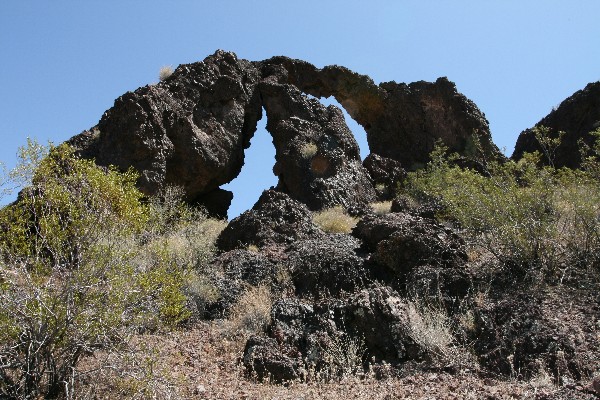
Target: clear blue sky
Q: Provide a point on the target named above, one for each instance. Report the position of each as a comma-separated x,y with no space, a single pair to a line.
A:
64,62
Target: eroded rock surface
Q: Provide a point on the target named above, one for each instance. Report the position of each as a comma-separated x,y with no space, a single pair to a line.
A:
577,116
274,219
191,129
402,121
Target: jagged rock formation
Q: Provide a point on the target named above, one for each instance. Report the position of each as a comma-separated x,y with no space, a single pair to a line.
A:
402,121
191,129
274,219
353,294
576,116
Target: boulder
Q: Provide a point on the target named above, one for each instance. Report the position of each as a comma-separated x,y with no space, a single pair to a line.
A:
386,174
274,219
265,359
402,242
234,271
327,266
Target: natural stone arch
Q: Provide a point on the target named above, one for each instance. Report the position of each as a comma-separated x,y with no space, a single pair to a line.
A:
191,129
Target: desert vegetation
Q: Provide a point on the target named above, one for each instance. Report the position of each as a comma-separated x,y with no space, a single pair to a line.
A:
86,263
107,293
533,218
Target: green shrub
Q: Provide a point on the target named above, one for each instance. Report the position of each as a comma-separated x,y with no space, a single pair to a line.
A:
531,218
84,264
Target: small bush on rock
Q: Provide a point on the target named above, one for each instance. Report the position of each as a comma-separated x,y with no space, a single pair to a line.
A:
335,220
165,72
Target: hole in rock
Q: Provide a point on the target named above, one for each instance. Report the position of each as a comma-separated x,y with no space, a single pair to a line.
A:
357,130
257,172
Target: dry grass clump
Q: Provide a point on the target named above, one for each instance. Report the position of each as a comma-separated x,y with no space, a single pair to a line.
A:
335,220
381,207
431,329
343,357
308,150
252,313
165,72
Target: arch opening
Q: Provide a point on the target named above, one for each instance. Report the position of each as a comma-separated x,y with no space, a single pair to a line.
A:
257,172
360,135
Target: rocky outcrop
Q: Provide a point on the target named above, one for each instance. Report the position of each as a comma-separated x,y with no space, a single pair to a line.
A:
402,121
274,219
191,129
577,116
327,266
386,173
402,242
318,160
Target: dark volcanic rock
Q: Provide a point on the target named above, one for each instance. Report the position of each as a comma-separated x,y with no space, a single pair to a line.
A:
274,219
576,116
264,358
238,269
402,241
318,160
189,130
515,337
371,323
380,315
327,265
386,174
402,121
216,202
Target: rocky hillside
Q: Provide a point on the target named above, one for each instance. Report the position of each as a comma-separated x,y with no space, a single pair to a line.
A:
576,116
422,270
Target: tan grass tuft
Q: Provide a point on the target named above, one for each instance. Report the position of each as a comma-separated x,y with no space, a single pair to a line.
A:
335,220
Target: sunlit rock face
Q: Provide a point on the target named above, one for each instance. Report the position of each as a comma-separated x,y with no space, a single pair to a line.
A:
577,116
191,129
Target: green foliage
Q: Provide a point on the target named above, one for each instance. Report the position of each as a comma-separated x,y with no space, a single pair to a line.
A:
590,155
547,142
70,206
84,264
529,217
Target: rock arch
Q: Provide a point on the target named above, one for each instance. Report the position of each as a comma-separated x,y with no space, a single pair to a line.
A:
191,129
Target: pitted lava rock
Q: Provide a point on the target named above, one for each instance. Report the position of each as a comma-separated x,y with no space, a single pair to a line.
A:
386,174
327,265
577,116
274,219
402,121
191,129
402,241
318,160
